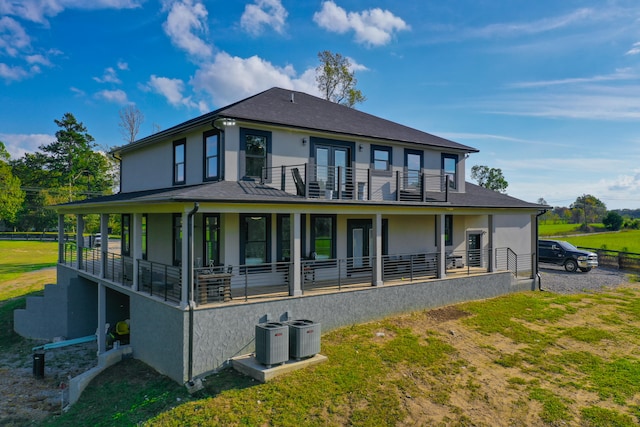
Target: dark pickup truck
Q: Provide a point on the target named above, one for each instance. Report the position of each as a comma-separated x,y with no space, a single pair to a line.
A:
564,253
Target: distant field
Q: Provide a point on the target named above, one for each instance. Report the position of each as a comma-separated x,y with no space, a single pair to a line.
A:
563,229
20,257
626,241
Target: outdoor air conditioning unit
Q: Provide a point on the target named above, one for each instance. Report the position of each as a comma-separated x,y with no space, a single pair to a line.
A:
304,338
272,343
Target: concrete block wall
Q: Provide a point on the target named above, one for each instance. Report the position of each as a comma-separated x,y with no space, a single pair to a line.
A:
68,309
224,332
45,316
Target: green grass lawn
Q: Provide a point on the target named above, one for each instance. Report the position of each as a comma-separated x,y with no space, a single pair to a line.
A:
625,241
17,257
547,230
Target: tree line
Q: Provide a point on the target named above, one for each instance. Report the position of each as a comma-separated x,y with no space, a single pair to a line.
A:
588,209
69,169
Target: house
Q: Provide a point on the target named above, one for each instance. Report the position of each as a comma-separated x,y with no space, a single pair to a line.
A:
280,206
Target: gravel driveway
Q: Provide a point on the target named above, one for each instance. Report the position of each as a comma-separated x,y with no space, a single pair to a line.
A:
556,279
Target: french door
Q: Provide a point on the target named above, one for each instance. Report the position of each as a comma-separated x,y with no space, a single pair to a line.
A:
329,160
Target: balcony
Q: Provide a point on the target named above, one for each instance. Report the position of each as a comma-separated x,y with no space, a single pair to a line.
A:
233,284
346,183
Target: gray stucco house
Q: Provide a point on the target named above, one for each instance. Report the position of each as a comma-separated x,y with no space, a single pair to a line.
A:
280,206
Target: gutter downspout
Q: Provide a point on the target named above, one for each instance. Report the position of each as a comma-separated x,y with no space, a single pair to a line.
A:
190,215
544,211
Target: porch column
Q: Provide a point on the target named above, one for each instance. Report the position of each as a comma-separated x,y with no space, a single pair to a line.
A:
61,241
377,250
136,247
104,244
102,318
442,255
491,266
79,239
184,264
295,286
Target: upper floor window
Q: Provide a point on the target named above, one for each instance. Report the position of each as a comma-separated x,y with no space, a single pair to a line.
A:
381,159
256,147
450,167
125,229
413,163
179,161
212,155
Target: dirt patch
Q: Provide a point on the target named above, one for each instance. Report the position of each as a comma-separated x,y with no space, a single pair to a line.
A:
27,399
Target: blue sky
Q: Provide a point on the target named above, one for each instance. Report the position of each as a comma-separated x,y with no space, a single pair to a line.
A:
547,90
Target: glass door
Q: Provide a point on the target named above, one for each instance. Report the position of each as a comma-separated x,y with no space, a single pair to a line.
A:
330,160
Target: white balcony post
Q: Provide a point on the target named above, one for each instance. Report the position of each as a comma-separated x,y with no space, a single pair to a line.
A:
442,257
185,270
295,287
102,318
491,267
79,239
61,242
377,254
104,244
136,247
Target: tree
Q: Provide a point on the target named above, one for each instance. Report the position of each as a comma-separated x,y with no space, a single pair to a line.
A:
613,221
336,80
11,196
66,170
130,120
490,178
589,208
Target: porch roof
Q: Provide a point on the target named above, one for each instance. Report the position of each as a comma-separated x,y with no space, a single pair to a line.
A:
255,192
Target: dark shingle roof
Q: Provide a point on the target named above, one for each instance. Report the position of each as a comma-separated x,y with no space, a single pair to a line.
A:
290,108
254,192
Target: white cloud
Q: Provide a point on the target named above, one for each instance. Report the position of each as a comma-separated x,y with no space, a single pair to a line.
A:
621,74
15,73
264,13
635,49
186,21
40,10
172,90
13,37
117,96
123,66
109,76
38,59
19,144
535,27
373,27
230,78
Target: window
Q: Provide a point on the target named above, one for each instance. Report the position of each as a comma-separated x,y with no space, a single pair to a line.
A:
381,159
323,236
126,234
448,231
212,166
212,239
284,238
179,155
177,239
449,167
256,146
255,242
413,163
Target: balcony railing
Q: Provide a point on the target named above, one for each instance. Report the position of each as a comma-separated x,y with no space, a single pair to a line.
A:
346,183
223,284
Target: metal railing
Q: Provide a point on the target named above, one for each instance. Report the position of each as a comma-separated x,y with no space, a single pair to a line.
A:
161,280
220,284
346,183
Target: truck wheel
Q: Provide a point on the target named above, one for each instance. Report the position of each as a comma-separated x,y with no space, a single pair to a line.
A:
585,270
571,265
